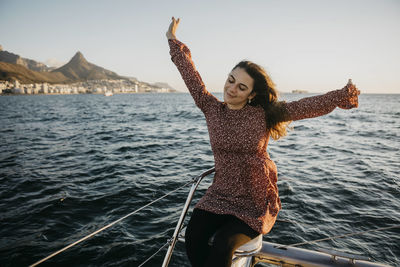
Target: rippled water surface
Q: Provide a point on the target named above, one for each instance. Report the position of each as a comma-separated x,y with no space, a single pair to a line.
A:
72,164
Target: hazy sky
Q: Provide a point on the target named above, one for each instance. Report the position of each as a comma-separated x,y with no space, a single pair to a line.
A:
303,44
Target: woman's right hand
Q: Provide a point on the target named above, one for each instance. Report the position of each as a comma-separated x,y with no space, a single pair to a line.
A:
349,97
172,28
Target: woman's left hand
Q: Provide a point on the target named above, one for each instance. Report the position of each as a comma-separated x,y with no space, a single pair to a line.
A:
172,28
349,97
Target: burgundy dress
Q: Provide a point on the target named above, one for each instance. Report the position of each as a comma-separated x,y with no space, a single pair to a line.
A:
245,181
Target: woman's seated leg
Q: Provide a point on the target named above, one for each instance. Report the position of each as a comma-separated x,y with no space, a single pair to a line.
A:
228,238
201,227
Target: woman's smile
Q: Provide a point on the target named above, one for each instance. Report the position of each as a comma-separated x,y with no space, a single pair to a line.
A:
230,95
238,88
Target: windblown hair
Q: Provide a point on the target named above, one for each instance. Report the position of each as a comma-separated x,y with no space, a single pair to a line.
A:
267,97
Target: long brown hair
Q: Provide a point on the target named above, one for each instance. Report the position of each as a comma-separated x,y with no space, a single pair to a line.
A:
267,98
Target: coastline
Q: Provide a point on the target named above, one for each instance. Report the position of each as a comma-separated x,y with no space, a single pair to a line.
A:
85,87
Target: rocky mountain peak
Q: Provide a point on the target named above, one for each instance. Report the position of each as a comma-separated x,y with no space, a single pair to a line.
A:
78,58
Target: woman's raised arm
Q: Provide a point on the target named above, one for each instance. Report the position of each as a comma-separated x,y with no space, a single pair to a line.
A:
180,55
315,106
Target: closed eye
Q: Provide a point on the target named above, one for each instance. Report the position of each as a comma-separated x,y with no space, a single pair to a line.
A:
242,86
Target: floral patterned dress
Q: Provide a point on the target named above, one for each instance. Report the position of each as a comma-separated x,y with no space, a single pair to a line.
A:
245,181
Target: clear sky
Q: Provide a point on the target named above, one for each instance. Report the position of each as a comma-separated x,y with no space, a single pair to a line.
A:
313,45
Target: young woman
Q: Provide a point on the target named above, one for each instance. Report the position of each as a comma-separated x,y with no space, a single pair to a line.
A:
243,200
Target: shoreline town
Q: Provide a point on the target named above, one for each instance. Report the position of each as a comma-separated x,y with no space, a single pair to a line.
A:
86,87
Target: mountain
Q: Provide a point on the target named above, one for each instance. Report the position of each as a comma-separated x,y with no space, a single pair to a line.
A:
9,72
164,85
27,63
79,69
76,70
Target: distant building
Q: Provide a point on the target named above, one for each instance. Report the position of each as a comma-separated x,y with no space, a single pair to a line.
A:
299,92
16,84
3,86
45,88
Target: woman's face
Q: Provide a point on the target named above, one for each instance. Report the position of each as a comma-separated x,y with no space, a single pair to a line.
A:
238,89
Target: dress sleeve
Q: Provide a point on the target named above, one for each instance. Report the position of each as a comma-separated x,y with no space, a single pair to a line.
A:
180,55
315,106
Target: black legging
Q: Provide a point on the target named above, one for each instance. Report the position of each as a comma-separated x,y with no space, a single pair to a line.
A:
230,233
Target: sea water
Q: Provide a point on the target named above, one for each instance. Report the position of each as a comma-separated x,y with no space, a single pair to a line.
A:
70,164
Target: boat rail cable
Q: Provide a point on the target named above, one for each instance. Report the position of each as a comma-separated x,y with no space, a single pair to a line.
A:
112,223
161,248
339,236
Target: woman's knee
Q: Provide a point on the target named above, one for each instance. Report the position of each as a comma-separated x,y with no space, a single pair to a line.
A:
224,245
